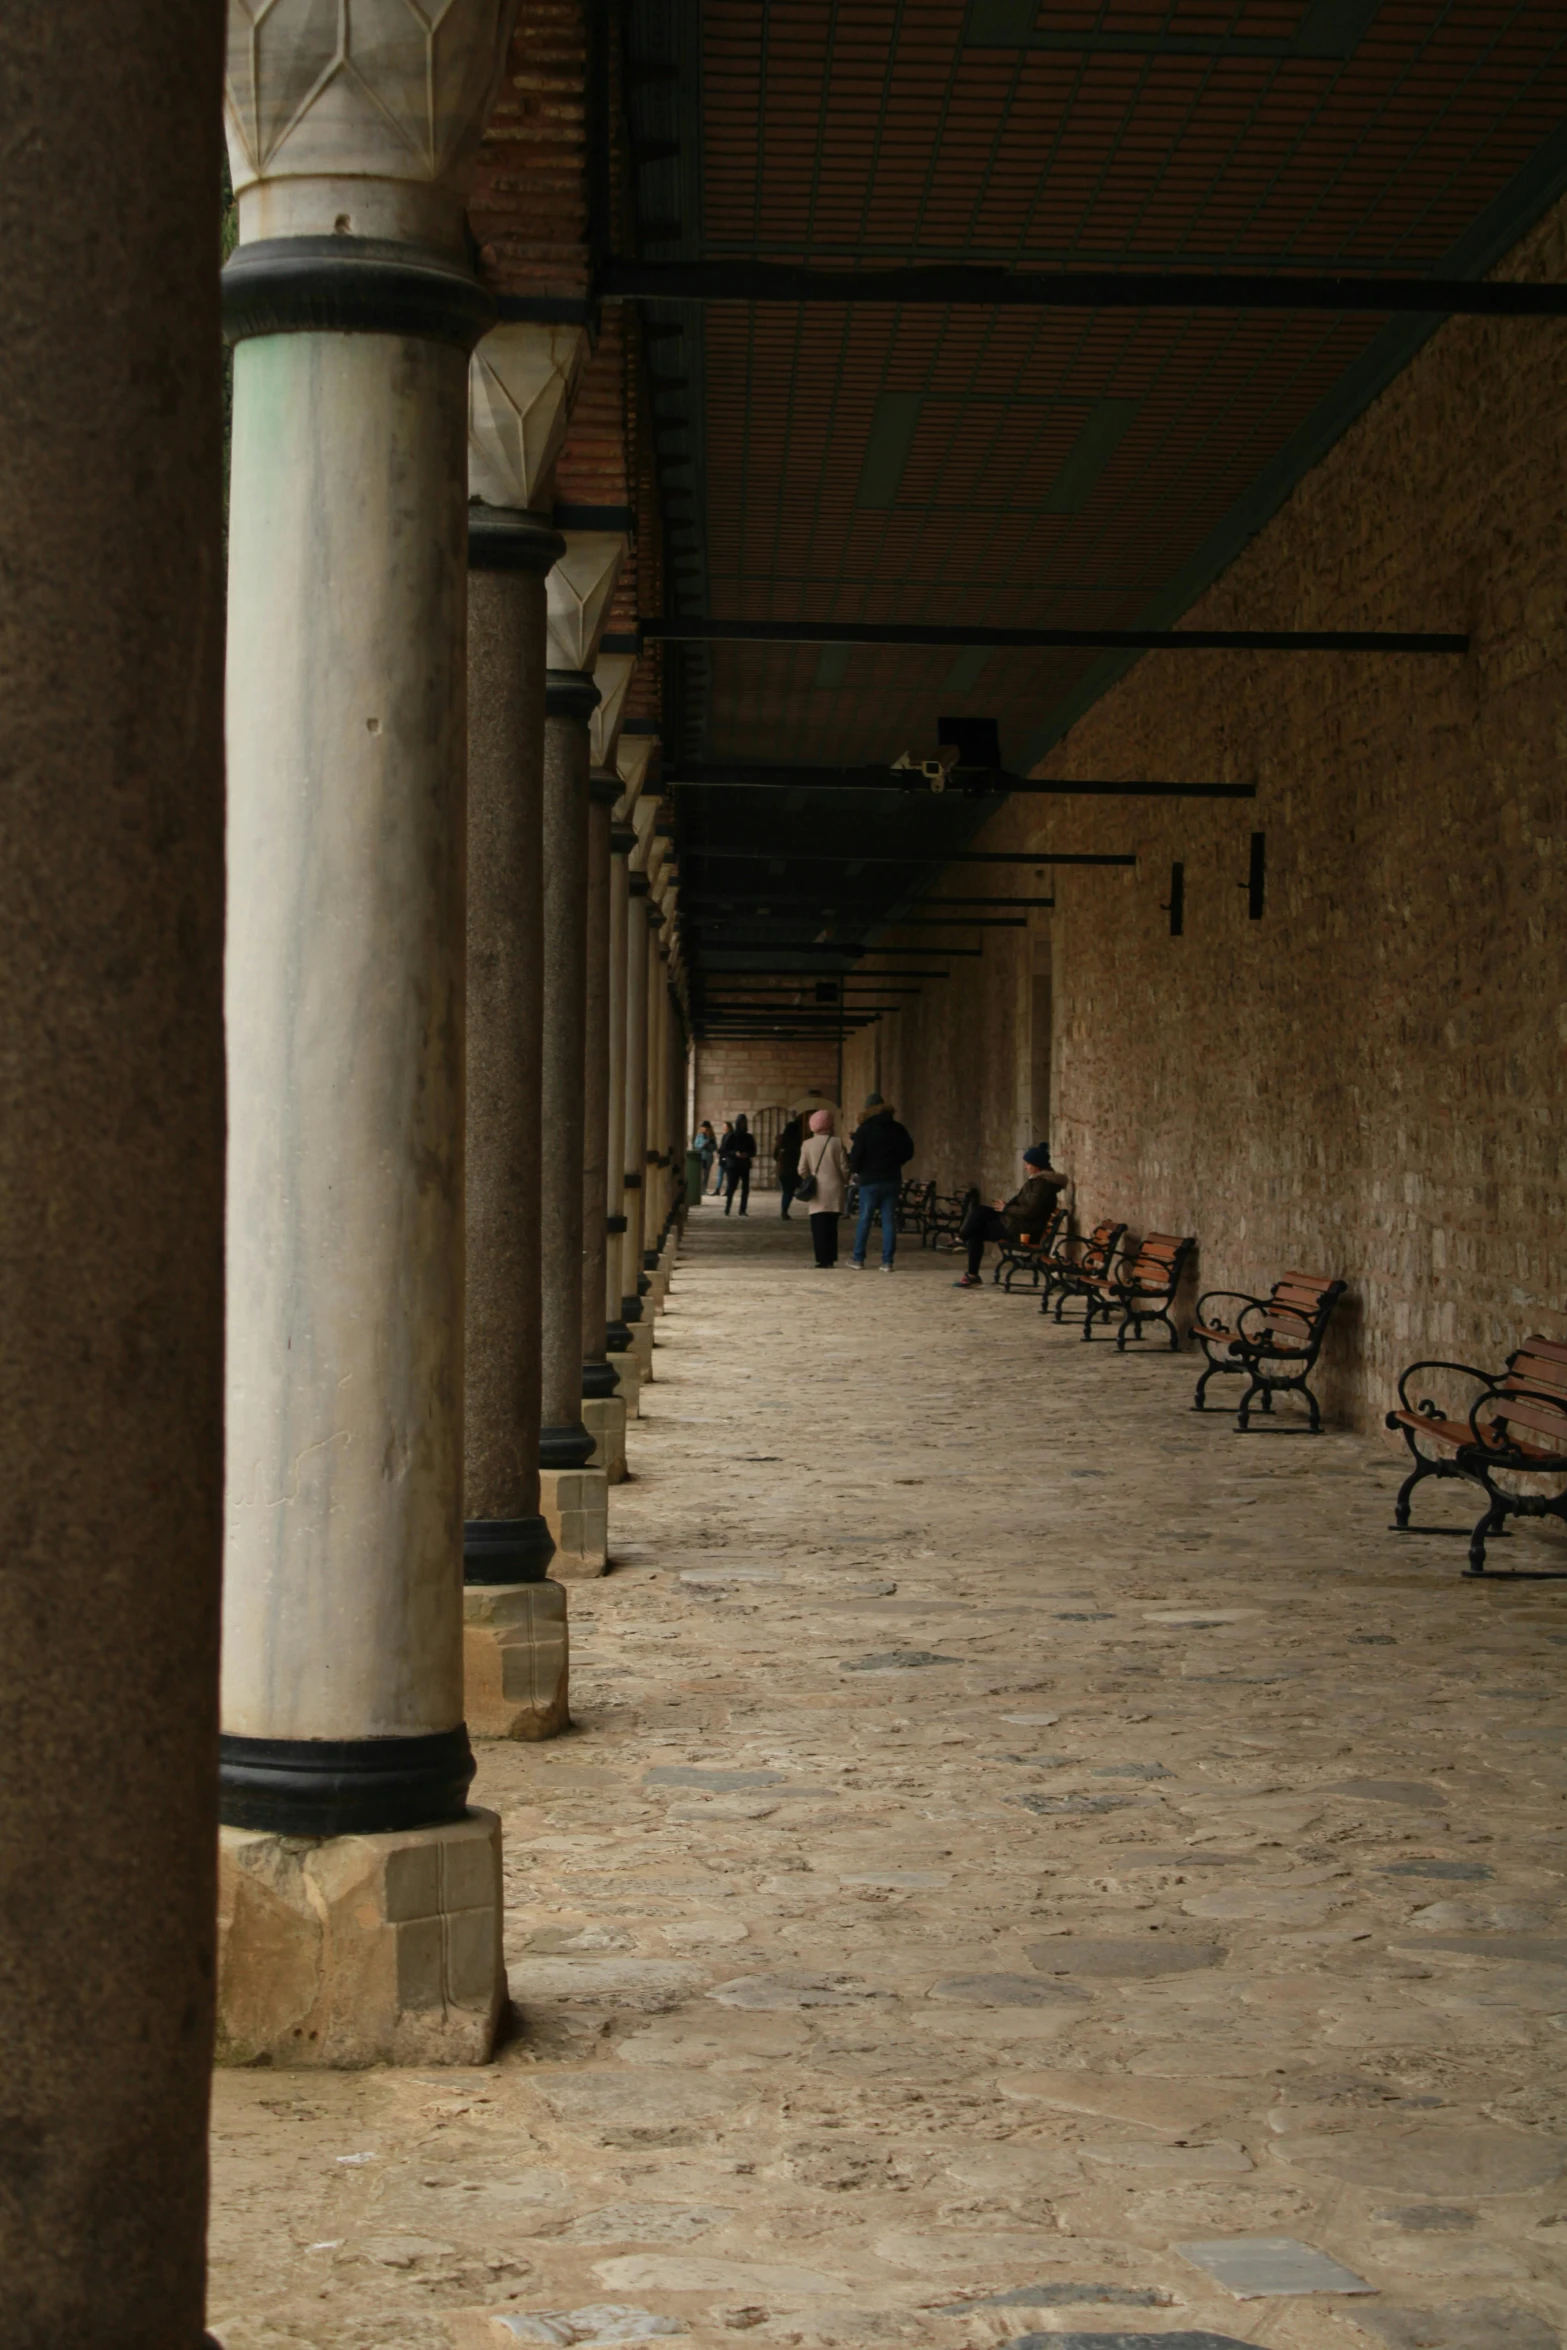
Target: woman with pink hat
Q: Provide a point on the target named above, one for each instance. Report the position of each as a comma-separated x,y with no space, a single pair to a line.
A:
823,1185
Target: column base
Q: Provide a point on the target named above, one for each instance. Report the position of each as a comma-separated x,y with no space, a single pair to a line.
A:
345,1951
516,1660
575,1503
605,1418
630,1386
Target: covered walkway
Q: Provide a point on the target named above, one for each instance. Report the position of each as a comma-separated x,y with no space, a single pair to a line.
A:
1016,1831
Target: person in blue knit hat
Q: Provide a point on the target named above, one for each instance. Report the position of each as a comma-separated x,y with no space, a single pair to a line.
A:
1025,1214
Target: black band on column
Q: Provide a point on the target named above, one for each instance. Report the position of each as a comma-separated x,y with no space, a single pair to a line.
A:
631,1309
565,1448
655,918
650,1260
644,1285
622,840
617,1338
599,1380
570,693
344,1786
604,790
355,286
503,538
632,1181
506,1550
614,1224
639,884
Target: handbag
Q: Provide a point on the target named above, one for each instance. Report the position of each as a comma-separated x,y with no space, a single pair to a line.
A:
806,1187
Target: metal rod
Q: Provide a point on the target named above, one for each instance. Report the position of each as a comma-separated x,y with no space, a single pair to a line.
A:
942,283
973,780
1065,640
913,857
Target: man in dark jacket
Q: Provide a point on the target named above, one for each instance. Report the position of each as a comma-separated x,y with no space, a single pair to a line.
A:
880,1152
1024,1215
786,1155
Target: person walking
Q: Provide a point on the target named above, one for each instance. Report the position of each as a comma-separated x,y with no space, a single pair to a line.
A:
740,1145
824,1185
786,1157
705,1143
1027,1212
721,1158
881,1150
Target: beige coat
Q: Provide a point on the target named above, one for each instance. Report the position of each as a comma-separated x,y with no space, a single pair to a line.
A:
825,1157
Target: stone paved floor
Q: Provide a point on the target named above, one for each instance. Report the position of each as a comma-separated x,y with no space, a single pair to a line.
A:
1014,1830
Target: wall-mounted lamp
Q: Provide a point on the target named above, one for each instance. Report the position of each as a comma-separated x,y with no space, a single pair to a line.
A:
1175,904
1256,881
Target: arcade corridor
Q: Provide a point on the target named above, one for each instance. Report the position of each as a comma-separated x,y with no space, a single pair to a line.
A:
1014,1830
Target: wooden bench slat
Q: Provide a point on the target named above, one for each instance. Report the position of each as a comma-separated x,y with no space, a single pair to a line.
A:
1529,1412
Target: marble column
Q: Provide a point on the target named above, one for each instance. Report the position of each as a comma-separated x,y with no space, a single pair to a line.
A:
603,1405
360,1897
515,1641
111,1168
636,1103
573,1494
617,1337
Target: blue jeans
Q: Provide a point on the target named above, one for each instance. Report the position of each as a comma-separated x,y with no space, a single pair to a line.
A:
873,1196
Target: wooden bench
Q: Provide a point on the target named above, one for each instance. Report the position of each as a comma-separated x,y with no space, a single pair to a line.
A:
944,1217
1140,1286
1482,1425
1077,1261
1274,1340
1029,1254
915,1201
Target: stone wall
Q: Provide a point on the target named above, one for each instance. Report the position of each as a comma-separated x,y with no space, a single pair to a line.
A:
754,1075
1368,1080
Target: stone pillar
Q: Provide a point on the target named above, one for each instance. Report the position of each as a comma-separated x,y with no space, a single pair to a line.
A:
574,1497
514,1630
636,1106
621,840
603,1405
111,1168
360,1904
515,1649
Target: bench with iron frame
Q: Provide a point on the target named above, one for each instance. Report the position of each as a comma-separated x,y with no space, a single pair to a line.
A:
944,1218
915,1202
1077,1261
1140,1286
1274,1341
1515,1426
1029,1254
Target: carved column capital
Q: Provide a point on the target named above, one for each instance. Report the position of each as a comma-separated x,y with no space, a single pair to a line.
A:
359,120
522,381
580,590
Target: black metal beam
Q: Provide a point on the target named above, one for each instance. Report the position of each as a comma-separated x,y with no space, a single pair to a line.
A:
974,780
944,283
910,857
1061,640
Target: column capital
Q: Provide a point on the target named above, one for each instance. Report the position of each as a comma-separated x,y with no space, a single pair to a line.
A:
359,122
505,539
570,693
612,674
522,381
581,587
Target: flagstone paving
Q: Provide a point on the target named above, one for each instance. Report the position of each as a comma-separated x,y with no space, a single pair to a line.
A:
1019,1838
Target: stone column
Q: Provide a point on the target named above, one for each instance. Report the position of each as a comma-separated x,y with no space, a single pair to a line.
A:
574,1497
603,1405
636,1109
360,1905
617,1337
515,1644
111,1167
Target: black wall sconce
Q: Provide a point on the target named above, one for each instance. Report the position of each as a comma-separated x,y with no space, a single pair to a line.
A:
1256,882
1175,904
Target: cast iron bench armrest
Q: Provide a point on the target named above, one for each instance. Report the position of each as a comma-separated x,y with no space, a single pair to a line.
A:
1229,1297
1490,1442
1427,1408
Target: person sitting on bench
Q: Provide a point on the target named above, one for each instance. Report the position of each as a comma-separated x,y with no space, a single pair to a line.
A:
1027,1212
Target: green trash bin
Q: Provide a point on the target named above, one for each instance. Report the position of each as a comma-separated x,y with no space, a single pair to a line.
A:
693,1178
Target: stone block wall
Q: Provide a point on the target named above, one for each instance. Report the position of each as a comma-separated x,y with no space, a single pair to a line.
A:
754,1074
1368,1080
